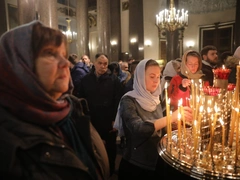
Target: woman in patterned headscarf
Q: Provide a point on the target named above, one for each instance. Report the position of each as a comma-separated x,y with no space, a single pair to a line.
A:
44,133
179,87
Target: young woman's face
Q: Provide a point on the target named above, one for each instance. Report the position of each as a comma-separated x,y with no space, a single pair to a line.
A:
52,69
192,64
152,78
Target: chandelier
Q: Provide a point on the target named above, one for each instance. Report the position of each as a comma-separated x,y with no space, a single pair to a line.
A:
71,35
172,19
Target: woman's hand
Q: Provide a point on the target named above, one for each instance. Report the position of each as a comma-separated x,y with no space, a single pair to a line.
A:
187,111
186,82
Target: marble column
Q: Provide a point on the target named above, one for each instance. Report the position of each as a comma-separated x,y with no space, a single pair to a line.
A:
115,9
82,27
136,29
103,26
26,11
172,45
3,21
47,11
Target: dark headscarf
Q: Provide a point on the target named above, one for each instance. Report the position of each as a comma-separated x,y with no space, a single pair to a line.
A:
20,90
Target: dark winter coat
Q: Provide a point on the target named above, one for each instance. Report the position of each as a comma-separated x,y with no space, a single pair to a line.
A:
37,152
103,95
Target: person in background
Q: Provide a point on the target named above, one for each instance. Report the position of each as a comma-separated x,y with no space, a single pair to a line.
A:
179,87
124,66
73,58
209,62
130,61
140,116
86,60
171,69
78,71
122,75
223,58
102,90
129,84
231,63
43,132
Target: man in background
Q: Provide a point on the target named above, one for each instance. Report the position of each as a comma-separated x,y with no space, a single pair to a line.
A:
86,60
209,62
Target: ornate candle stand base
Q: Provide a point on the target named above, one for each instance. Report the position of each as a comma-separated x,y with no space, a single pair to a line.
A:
219,163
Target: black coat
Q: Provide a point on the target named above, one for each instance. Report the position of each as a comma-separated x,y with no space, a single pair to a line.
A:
209,76
103,95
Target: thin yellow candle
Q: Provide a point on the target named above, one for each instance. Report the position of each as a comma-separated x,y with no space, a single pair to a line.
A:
197,107
195,136
237,137
179,129
183,119
167,110
223,135
232,126
211,129
200,117
215,116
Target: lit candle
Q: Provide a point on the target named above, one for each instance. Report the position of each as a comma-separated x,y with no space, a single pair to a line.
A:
167,110
210,129
223,135
195,136
200,117
183,119
179,129
237,137
215,115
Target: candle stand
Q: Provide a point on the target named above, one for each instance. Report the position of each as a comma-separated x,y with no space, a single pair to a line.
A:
209,149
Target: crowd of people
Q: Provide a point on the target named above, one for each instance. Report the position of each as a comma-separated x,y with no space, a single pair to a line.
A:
61,114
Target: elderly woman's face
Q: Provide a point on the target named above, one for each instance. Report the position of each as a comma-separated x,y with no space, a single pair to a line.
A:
52,69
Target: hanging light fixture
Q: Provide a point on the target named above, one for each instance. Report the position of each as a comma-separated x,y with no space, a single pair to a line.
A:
70,35
172,19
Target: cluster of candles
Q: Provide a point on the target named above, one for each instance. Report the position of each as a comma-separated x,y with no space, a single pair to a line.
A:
221,73
212,91
209,111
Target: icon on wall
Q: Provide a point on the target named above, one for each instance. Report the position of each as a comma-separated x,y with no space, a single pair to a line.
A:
125,5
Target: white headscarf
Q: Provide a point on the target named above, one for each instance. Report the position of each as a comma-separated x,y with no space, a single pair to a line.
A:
148,101
237,53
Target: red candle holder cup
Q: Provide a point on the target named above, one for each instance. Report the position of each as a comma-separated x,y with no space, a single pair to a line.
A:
211,91
221,73
231,86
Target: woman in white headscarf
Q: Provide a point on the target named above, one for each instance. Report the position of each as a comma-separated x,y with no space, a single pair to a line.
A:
140,112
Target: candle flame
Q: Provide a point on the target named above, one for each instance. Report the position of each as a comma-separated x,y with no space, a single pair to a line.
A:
221,121
166,85
180,102
195,122
179,116
201,109
216,108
